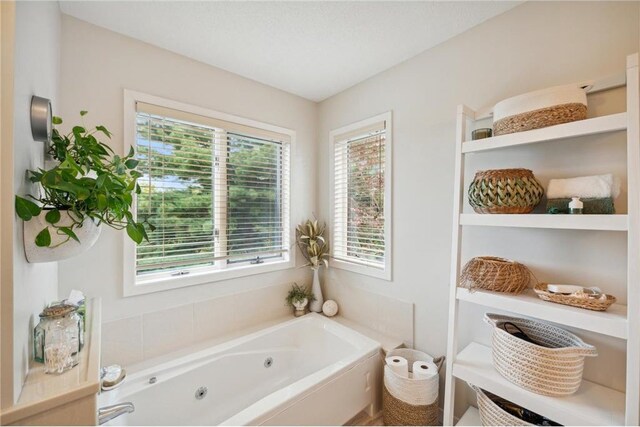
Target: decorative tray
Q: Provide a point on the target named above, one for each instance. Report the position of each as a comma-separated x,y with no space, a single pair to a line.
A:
590,303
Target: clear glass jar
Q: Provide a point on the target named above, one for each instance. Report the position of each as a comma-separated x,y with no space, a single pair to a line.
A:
59,348
58,338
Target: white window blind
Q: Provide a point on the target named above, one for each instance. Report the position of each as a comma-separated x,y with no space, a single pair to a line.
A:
216,191
359,195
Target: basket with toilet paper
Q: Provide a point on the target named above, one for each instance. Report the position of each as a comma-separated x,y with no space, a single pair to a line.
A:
410,392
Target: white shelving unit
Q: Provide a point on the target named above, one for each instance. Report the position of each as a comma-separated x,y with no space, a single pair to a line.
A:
592,404
471,417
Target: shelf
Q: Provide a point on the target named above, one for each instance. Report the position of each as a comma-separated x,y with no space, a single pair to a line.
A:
592,404
567,222
597,125
76,389
471,417
612,322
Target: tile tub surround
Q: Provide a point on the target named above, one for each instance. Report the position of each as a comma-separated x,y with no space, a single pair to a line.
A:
145,336
388,316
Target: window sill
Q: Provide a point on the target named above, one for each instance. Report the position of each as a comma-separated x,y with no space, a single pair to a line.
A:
141,287
366,270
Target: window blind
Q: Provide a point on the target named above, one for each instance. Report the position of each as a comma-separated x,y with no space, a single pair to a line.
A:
359,225
216,192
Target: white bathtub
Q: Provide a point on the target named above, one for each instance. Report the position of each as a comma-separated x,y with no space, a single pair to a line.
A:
306,371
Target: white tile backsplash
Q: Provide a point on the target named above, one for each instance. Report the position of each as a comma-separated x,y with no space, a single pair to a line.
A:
264,304
167,330
215,317
122,341
387,315
135,339
395,318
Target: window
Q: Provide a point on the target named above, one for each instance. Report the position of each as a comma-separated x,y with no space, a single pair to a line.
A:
217,191
362,197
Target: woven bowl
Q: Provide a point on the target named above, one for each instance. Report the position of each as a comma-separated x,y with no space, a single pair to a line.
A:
505,191
495,274
587,303
553,367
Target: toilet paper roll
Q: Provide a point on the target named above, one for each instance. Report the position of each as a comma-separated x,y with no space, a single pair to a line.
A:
423,370
399,365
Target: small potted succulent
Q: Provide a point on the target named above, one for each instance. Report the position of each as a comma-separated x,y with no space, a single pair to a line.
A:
89,185
298,298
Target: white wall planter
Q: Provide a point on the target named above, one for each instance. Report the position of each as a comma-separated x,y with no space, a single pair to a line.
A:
87,234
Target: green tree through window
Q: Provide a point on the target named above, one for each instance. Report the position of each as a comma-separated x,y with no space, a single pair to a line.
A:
215,197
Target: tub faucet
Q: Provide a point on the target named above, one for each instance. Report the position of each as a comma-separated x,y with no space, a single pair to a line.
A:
107,413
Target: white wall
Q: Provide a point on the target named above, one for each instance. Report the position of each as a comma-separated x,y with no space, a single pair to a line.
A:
37,65
97,65
535,45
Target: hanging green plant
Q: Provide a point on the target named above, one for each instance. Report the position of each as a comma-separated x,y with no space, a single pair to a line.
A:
90,182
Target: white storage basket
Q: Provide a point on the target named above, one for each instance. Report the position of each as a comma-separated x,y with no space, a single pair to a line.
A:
553,368
493,415
541,108
410,401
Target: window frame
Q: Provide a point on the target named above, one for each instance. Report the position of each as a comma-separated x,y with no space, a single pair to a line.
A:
202,275
381,273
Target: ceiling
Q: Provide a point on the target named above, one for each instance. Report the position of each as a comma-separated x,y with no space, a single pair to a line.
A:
311,49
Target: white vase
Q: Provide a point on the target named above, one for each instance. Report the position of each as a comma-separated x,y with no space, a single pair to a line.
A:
87,234
316,305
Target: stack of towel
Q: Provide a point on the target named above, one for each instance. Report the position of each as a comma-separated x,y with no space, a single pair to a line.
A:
596,192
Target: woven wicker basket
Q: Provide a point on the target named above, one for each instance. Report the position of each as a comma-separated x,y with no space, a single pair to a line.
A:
505,191
495,274
493,415
587,303
541,118
553,368
397,412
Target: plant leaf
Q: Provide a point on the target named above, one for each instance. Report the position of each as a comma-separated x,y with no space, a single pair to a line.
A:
43,239
52,216
131,163
69,232
83,112
101,180
104,131
26,209
102,202
56,120
134,233
143,232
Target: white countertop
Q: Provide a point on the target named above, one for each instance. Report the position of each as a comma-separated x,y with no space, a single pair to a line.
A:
41,391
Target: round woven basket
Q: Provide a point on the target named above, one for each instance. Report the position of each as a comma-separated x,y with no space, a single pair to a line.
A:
554,115
399,413
423,409
493,415
495,274
505,191
553,368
